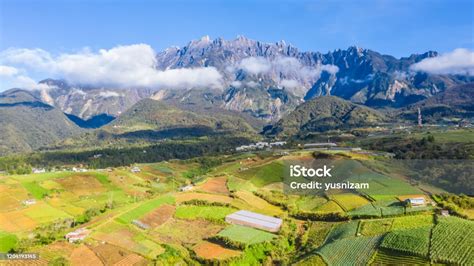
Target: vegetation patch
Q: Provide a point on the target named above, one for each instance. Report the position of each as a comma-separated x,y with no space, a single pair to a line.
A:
7,241
375,227
413,241
349,251
144,208
392,257
349,201
213,213
452,241
245,235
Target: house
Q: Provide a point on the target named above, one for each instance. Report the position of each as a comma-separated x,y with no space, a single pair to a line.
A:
416,202
186,188
277,143
77,235
319,145
135,169
38,170
255,220
444,212
29,202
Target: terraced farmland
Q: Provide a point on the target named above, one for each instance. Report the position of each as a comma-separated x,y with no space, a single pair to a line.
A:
412,241
453,241
349,251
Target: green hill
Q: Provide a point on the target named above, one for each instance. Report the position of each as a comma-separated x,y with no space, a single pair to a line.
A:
325,113
27,124
154,115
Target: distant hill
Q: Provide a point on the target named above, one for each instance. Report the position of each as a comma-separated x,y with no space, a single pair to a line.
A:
155,115
325,113
27,124
453,103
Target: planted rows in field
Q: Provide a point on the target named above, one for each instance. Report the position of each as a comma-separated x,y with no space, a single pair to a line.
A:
453,241
349,251
414,241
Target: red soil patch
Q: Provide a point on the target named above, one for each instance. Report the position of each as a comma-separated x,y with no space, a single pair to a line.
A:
208,250
159,216
215,185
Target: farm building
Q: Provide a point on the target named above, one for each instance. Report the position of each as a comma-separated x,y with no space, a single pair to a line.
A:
415,202
135,169
29,202
277,143
38,170
186,188
255,220
77,235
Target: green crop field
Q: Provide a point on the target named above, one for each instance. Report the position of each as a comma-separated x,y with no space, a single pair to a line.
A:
205,212
317,234
329,207
245,235
412,221
391,257
452,241
349,251
7,241
43,213
375,227
342,230
413,241
35,190
349,201
144,209
367,210
266,174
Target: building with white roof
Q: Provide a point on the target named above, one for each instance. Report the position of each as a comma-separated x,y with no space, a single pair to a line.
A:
255,220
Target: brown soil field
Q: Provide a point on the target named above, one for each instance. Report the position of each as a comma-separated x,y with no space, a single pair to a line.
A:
132,259
185,231
208,250
83,255
16,221
81,184
215,185
180,197
122,238
159,216
258,203
110,254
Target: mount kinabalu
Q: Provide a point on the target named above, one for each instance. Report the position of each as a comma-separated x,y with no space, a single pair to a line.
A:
267,80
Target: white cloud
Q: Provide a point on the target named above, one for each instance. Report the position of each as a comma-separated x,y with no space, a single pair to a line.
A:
107,94
236,84
288,68
290,83
8,71
121,66
252,84
459,61
255,65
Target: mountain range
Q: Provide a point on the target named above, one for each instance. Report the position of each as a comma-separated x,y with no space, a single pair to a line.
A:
266,80
269,86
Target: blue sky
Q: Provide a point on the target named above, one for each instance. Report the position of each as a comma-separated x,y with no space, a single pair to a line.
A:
399,28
